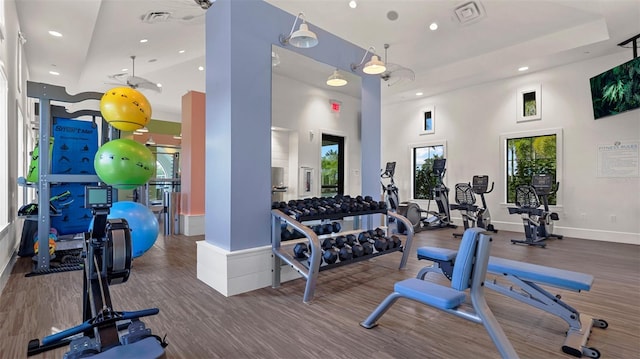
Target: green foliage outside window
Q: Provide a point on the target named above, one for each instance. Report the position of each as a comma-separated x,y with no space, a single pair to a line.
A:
330,172
423,182
527,156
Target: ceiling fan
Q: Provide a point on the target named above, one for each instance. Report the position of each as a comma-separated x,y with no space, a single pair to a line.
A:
396,73
134,81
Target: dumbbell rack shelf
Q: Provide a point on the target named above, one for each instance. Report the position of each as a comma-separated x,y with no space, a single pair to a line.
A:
283,253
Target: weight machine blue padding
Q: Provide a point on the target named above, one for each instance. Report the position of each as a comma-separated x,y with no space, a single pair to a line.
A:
469,272
147,348
554,277
430,293
440,254
461,278
74,147
526,279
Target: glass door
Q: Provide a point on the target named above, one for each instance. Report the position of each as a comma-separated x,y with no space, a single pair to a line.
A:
332,161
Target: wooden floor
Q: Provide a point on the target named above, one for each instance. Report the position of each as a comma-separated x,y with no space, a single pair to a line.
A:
274,323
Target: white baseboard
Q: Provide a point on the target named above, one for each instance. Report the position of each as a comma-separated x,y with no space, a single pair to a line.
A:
192,225
236,272
582,233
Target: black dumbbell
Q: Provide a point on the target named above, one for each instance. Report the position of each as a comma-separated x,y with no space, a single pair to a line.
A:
332,253
289,234
318,229
286,235
379,243
334,227
367,247
302,251
356,248
394,242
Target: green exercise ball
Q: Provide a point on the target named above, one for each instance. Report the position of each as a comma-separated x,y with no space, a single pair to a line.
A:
124,163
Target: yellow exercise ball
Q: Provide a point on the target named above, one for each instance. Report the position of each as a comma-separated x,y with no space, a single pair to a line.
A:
125,108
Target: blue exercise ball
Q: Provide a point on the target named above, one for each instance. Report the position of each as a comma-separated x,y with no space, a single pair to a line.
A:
142,222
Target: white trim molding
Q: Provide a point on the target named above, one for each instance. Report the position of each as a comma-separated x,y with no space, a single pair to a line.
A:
237,272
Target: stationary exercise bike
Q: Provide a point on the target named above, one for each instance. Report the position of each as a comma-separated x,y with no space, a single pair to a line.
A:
105,333
538,222
472,214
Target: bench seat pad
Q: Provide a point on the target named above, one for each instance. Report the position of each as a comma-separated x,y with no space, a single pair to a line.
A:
430,293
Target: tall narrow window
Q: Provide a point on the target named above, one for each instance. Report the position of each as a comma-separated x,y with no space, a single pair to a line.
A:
332,158
422,160
4,149
529,155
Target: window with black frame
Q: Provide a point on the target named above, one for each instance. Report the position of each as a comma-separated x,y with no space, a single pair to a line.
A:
422,162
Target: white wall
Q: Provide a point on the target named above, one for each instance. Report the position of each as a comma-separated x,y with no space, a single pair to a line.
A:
471,121
306,112
9,236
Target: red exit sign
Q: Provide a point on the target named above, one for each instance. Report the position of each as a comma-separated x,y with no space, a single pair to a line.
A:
335,105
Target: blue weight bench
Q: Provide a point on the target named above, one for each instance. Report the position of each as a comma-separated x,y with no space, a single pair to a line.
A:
469,273
525,279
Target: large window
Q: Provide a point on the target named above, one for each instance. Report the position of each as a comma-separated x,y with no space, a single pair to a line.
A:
4,150
422,160
332,158
528,154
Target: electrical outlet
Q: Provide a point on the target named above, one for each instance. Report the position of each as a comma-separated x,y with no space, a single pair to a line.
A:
583,217
613,218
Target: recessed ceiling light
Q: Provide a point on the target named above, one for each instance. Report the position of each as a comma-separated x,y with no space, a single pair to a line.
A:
124,70
181,52
159,84
433,26
55,33
523,68
143,40
54,73
353,4
201,68
419,93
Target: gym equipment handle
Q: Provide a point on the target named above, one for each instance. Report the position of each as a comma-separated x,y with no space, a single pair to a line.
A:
53,338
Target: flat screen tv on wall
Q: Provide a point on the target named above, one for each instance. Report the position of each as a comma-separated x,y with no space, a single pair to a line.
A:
616,90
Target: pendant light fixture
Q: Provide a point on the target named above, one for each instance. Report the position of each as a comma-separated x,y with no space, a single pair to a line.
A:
336,79
303,38
374,66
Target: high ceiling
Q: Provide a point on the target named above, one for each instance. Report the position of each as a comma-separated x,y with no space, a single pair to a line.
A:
99,36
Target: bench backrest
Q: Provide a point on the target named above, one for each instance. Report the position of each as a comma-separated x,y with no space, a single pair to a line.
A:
465,260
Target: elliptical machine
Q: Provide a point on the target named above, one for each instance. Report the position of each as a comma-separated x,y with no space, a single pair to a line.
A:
108,261
390,190
465,203
538,222
419,218
441,218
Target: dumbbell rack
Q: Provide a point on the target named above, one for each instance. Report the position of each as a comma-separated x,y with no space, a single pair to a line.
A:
310,272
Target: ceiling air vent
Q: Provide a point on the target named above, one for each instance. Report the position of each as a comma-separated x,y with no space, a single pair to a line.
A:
469,12
153,17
